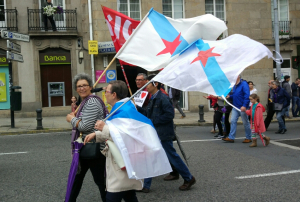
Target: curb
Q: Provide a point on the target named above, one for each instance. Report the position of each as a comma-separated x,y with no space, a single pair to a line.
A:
37,131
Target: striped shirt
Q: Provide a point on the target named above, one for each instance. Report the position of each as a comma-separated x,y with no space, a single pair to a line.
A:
90,113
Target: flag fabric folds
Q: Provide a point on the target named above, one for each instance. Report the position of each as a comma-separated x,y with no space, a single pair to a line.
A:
212,66
120,27
159,39
138,142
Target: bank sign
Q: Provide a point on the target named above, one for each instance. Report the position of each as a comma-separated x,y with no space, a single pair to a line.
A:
55,58
106,47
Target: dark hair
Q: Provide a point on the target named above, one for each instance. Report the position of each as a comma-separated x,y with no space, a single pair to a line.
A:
119,87
250,82
150,77
286,77
255,96
82,76
74,97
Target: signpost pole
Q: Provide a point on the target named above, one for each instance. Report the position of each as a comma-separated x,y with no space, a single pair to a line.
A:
12,113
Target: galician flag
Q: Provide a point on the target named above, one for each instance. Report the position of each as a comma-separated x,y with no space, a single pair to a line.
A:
138,142
212,67
158,39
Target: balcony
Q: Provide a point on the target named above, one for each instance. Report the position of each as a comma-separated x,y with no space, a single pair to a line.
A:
66,22
8,19
284,29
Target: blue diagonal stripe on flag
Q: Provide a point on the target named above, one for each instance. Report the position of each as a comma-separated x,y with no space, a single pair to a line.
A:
213,71
166,30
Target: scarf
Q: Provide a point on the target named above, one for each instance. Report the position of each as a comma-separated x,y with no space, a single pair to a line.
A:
275,91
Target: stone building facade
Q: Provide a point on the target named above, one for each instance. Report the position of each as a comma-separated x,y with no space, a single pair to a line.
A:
250,18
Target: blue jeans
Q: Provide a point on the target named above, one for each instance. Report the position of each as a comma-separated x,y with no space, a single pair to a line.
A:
287,111
279,115
295,101
233,124
175,160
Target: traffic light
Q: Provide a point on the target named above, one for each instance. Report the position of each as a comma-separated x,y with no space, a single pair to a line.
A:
295,62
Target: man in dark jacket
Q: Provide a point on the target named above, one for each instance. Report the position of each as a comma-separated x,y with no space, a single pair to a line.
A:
174,95
282,99
287,87
161,112
296,97
48,3
240,97
270,112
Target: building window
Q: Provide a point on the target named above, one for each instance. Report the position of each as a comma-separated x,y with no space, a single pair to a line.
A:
173,8
2,12
283,18
131,8
216,8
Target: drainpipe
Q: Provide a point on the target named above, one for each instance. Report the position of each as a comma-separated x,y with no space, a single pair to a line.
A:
276,36
91,38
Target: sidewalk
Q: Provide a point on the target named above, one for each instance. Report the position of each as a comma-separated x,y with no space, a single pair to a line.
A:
59,123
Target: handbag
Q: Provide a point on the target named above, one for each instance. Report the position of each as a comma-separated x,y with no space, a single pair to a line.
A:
277,106
90,150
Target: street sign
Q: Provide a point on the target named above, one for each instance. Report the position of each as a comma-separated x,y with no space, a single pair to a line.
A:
14,36
106,47
13,46
93,47
14,56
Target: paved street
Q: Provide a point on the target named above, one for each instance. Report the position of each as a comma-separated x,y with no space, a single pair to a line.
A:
224,171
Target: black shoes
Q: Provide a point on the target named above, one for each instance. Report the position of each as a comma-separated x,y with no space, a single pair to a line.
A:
283,131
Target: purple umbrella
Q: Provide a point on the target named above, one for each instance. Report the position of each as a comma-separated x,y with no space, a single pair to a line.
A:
73,170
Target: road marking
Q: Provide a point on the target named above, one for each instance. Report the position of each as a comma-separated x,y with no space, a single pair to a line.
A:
206,140
285,145
268,174
13,153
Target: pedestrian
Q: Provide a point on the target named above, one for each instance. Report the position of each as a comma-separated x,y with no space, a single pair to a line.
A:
91,109
256,120
296,97
214,105
161,112
118,184
252,90
281,100
270,108
174,95
46,17
240,99
141,80
287,87
73,104
222,115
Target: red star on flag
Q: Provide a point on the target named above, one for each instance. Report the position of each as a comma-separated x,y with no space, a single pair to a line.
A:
204,55
170,46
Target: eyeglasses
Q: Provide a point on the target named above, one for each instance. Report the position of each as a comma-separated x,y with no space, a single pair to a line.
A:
107,91
139,80
83,86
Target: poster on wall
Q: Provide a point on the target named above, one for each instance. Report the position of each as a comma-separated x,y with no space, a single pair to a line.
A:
98,74
108,106
111,76
3,93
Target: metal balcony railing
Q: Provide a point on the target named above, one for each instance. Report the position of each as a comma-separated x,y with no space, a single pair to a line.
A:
8,19
284,29
67,20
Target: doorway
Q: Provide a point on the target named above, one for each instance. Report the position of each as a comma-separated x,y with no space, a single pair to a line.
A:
56,73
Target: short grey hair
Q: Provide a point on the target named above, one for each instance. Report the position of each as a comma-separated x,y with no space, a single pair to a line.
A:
142,74
82,76
276,83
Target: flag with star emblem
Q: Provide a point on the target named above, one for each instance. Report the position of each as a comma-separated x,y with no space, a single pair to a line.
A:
212,67
158,39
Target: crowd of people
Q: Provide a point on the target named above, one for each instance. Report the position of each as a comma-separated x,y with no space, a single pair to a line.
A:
113,182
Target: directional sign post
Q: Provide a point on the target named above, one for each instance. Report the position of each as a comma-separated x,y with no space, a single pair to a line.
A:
14,56
13,46
15,36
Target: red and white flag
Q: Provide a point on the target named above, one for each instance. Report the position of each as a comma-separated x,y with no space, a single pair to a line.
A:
120,27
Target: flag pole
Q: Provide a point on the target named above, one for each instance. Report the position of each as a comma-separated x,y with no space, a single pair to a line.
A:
104,72
127,101
126,80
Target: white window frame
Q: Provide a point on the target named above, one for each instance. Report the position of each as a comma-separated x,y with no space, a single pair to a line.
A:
214,5
4,23
128,8
183,9
278,6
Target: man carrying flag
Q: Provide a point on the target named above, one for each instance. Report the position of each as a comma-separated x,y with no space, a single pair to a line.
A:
161,112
